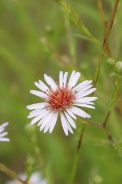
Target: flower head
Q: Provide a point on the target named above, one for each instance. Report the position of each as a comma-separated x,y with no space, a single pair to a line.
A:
2,133
64,99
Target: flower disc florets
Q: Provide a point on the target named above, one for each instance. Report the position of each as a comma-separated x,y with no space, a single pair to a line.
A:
60,99
64,99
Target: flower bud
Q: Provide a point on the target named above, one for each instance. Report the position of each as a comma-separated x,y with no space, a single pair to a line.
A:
111,62
118,67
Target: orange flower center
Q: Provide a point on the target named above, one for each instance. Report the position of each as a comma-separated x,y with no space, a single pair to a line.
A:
60,98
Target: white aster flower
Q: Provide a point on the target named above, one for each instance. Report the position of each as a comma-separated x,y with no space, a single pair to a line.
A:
36,178
64,99
2,133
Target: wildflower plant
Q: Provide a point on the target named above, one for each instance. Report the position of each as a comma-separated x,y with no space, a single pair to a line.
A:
85,96
63,99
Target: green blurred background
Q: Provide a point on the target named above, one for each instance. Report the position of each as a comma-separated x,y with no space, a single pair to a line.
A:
36,38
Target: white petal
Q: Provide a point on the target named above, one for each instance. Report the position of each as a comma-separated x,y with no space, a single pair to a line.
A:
65,79
50,82
85,100
4,125
70,113
38,93
83,90
36,112
89,103
46,121
45,118
3,134
41,86
64,124
46,128
2,129
84,105
70,120
86,93
68,125
82,85
74,80
79,112
54,119
37,118
4,139
61,79
71,77
37,106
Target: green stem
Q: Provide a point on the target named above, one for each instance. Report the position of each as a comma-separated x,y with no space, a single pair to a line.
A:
105,42
99,125
73,174
75,18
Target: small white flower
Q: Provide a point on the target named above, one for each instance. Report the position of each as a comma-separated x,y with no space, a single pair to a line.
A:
36,178
64,99
2,133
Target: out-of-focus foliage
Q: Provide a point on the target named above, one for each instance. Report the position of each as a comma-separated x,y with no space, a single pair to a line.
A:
36,37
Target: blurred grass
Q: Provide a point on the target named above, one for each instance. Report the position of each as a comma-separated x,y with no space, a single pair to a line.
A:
33,41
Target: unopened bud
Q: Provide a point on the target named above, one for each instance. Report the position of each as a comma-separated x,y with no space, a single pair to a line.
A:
118,67
111,62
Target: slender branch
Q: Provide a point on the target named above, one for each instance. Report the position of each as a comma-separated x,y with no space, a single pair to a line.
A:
99,125
90,123
75,18
105,42
11,173
110,138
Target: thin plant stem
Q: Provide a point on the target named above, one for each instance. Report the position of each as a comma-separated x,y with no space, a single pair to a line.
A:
77,22
11,173
99,125
105,42
73,174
